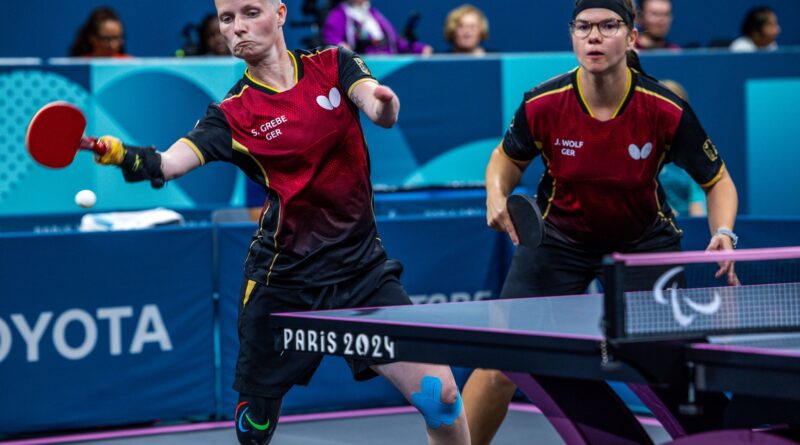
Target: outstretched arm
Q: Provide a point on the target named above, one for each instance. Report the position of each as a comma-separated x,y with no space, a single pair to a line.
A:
145,163
178,160
723,203
502,175
378,102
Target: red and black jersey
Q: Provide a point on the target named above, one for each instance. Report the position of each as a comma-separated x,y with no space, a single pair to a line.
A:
305,146
600,188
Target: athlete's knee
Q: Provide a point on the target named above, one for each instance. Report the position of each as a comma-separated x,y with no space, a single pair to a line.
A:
440,404
256,419
450,393
499,381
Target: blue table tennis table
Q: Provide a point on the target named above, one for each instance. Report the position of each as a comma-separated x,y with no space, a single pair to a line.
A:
702,388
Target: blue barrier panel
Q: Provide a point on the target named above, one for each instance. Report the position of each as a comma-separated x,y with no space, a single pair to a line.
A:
105,328
753,232
71,222
445,259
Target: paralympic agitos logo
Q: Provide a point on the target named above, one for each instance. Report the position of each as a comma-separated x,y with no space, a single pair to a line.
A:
682,318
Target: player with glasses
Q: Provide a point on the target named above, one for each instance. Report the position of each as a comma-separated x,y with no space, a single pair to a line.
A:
603,131
608,28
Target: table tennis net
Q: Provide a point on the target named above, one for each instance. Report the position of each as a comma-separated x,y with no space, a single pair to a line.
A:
685,298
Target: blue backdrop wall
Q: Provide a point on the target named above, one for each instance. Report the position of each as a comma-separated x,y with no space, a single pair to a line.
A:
45,28
455,111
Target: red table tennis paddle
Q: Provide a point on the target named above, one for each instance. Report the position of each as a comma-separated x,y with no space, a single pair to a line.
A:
527,219
55,135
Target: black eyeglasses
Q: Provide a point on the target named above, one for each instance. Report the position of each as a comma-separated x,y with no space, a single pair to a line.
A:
608,28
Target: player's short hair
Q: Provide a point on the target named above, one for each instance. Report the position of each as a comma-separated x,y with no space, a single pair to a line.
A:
625,8
451,22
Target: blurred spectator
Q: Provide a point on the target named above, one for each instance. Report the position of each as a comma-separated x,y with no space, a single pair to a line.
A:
203,39
683,194
760,29
655,19
102,35
465,28
211,41
356,25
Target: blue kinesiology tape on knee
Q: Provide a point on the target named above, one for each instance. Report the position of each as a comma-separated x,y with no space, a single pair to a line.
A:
429,402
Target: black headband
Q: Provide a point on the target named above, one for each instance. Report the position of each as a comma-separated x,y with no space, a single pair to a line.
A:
617,6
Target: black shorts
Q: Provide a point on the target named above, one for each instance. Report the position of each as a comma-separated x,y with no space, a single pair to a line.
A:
262,371
557,268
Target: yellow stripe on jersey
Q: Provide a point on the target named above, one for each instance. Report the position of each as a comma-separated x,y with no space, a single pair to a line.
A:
580,93
248,290
237,146
548,93
237,95
296,69
263,85
716,178
358,82
550,199
318,52
244,150
619,107
654,94
627,92
515,161
195,149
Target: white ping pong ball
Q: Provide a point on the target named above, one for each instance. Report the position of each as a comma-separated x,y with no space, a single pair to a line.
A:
85,198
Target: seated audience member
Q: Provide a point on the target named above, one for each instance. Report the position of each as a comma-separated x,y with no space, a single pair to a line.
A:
655,19
102,35
465,28
684,195
760,29
357,25
211,41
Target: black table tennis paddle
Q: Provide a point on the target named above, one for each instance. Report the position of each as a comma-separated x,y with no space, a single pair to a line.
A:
527,219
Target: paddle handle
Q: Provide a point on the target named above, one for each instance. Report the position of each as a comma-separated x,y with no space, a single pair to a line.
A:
93,144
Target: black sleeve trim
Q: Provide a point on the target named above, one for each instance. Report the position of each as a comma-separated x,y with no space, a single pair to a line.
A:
352,70
212,136
693,151
518,142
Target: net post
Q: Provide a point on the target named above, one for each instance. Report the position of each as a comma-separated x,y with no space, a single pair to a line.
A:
613,298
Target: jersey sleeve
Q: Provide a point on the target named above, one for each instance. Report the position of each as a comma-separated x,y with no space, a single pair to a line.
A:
693,151
352,70
518,142
211,138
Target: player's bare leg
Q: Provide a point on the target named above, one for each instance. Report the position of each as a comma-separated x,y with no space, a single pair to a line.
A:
433,391
487,394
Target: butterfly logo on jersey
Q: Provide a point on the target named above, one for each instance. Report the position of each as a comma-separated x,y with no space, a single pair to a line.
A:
640,153
333,100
